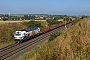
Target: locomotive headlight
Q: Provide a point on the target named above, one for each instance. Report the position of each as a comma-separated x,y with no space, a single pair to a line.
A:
20,37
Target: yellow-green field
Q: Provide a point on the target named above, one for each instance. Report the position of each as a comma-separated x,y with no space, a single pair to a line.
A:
16,21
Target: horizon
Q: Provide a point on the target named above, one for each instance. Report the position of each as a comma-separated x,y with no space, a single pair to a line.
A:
43,14
55,7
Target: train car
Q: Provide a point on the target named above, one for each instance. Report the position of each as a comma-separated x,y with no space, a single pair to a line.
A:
55,27
26,34
46,30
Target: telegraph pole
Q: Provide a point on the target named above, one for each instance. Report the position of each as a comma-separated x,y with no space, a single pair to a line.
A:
46,24
65,22
69,18
9,16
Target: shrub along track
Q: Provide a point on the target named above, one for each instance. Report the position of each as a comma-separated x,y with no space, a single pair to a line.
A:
13,51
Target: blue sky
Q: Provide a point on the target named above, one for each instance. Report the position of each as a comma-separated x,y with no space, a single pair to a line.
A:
69,7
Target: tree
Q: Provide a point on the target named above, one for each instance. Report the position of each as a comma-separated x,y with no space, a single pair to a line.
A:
4,19
26,17
22,18
67,19
34,24
44,18
83,17
52,22
55,18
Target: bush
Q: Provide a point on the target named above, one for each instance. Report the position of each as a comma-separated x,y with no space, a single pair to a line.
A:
67,19
4,19
31,24
53,22
83,17
75,22
34,24
53,36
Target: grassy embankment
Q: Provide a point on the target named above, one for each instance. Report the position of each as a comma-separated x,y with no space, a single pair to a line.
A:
72,44
7,31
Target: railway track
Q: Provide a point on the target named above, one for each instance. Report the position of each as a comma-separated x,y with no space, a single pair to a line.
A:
8,47
11,52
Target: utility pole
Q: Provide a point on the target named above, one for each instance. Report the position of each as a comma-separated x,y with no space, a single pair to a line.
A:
9,16
46,24
69,19
65,22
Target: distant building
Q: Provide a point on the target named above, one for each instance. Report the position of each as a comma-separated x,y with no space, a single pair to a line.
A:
1,16
41,17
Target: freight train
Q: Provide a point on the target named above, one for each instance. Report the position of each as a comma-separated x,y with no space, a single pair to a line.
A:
26,34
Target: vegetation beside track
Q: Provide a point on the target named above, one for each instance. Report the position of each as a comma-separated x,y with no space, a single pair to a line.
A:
54,35
53,22
74,43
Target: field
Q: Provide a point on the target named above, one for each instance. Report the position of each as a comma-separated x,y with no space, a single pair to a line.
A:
2,22
72,44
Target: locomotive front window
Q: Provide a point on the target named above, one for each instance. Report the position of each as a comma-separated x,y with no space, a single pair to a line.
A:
17,34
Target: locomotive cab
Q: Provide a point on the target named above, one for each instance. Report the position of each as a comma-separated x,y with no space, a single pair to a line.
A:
19,35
